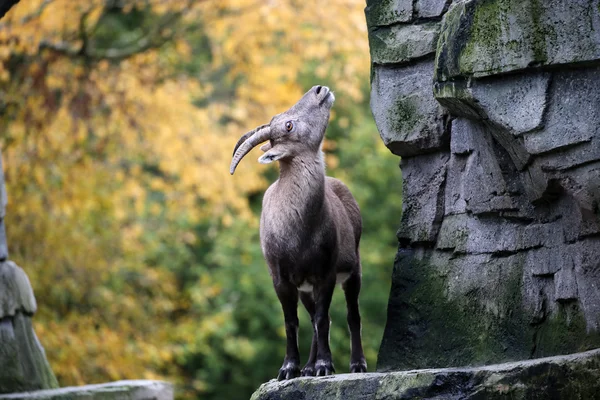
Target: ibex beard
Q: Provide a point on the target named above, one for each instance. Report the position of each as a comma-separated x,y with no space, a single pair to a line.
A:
310,229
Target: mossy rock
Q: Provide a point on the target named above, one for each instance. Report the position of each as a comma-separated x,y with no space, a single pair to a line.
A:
488,37
451,310
402,43
387,12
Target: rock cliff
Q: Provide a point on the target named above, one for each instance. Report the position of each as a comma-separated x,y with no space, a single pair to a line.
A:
495,111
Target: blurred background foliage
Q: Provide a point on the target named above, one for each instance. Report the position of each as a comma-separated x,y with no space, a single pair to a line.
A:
118,122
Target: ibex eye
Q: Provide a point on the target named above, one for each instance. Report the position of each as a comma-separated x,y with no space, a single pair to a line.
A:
289,126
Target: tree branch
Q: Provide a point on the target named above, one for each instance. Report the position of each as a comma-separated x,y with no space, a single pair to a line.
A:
6,5
154,38
36,14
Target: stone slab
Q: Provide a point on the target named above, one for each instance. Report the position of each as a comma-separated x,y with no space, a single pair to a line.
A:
516,103
120,390
408,118
573,117
575,376
570,157
430,8
402,43
387,12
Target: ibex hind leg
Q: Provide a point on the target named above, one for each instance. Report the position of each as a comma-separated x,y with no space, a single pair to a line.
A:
309,304
322,294
352,290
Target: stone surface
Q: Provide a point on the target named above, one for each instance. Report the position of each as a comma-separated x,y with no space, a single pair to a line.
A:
488,37
402,43
574,376
431,8
571,157
22,357
387,12
516,104
16,293
410,121
449,310
423,204
573,116
475,179
120,390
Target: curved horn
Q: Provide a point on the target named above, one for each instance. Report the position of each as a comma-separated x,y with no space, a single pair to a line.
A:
260,135
246,136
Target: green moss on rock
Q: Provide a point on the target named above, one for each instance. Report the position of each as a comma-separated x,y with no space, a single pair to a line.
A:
427,327
386,12
445,312
564,332
402,43
404,115
486,33
487,37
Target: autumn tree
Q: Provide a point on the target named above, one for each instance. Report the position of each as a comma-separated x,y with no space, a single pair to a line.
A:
118,121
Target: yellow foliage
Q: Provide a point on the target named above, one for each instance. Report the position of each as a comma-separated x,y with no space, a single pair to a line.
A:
81,130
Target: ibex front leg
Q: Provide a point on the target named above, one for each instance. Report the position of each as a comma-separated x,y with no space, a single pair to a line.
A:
322,294
288,297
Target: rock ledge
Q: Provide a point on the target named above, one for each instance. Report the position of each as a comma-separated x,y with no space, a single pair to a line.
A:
120,390
574,376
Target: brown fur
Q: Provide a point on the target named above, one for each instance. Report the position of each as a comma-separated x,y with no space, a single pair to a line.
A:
310,230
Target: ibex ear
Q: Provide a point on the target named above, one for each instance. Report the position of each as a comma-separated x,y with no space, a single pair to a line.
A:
266,147
270,156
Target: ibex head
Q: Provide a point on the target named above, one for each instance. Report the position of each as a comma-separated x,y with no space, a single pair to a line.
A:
298,130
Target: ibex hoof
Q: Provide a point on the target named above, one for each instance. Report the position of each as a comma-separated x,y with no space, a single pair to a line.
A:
288,371
324,368
357,367
309,370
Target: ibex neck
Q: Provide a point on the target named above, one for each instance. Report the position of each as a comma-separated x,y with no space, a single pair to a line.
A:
303,167
303,180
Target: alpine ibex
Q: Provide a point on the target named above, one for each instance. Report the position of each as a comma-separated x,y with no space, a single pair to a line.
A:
310,229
